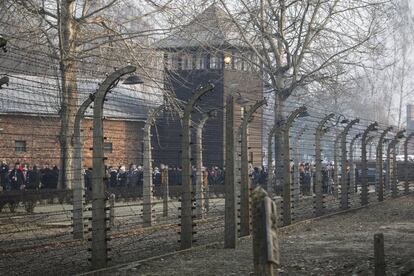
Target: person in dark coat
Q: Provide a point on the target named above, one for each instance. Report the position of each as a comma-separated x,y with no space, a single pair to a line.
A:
193,175
4,174
140,175
255,176
121,177
172,176
88,179
212,176
33,178
263,177
112,177
156,176
220,176
46,175
54,177
16,178
133,176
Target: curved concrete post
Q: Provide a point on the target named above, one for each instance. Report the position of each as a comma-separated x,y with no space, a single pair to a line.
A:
147,189
245,215
344,173
353,186
392,163
271,188
296,161
99,227
406,164
78,189
364,165
230,221
187,198
287,180
199,163
320,131
336,170
380,164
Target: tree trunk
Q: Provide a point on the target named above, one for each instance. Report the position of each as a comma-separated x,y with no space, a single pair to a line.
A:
69,93
278,142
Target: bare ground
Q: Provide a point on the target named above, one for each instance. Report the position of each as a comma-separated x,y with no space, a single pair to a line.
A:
337,245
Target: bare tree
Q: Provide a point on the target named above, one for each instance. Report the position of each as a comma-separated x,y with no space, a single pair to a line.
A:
80,36
299,43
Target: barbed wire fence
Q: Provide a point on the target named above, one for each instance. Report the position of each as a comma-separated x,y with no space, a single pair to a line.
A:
180,197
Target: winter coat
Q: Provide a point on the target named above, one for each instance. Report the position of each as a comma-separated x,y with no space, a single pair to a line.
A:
33,179
133,178
16,179
4,173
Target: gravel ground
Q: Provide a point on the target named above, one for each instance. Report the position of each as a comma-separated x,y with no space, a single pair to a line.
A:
337,245
42,244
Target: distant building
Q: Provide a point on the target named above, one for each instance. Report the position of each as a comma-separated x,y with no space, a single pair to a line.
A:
195,55
30,122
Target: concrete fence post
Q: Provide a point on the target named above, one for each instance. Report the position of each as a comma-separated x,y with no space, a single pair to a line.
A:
407,165
296,162
388,168
392,163
344,173
147,189
187,198
99,225
287,180
271,188
112,210
78,188
245,214
265,236
364,163
164,189
380,164
336,167
353,186
320,131
230,223
200,212
394,172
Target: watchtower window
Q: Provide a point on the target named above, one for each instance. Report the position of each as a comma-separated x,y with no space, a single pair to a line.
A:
200,62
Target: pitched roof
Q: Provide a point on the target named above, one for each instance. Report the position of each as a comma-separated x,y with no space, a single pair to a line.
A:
35,95
211,28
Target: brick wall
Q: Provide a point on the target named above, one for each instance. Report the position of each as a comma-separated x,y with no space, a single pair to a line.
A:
42,144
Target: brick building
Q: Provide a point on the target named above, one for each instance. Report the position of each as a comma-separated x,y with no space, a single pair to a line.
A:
30,125
207,51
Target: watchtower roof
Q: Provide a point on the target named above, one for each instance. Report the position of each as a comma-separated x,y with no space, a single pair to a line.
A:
211,28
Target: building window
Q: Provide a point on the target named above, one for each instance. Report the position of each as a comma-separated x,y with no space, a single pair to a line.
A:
238,63
187,62
215,62
20,146
108,147
172,61
200,62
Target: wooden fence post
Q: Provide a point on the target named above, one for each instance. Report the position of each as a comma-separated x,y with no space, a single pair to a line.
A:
379,257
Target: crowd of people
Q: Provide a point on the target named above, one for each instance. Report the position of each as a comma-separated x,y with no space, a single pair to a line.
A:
134,175
24,176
